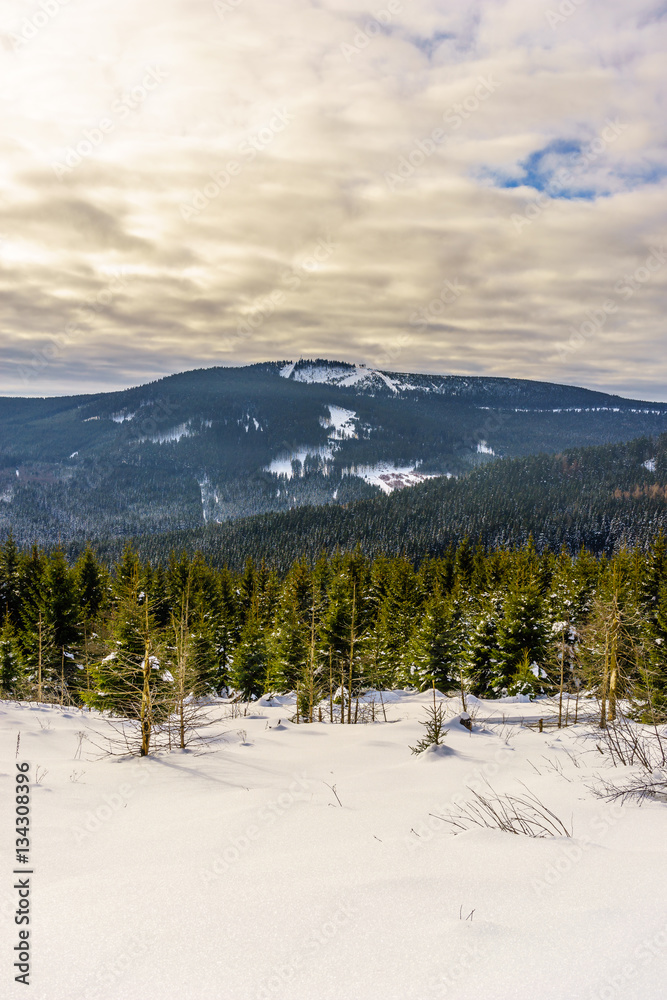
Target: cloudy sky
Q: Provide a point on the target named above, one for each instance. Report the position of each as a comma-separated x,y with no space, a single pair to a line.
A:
470,186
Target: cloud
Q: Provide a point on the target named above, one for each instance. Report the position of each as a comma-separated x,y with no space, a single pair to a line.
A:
191,231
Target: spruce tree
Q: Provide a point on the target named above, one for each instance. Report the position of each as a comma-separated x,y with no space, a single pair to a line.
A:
251,657
481,654
438,646
522,634
12,679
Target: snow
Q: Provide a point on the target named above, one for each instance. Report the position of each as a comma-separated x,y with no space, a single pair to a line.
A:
174,434
120,418
235,873
387,381
390,477
649,464
484,449
333,373
342,423
282,465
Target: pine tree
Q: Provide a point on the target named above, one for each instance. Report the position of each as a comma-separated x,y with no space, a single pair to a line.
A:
481,655
434,724
522,633
12,679
131,680
649,692
63,618
398,616
438,646
10,584
36,632
251,657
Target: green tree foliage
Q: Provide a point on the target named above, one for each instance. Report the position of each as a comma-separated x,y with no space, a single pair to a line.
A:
510,621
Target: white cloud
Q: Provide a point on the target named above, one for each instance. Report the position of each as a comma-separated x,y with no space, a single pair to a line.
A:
347,120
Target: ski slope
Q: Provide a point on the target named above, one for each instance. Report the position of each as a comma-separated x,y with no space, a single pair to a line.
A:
307,862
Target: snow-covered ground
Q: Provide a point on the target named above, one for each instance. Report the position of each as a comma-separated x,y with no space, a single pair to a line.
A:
390,477
307,862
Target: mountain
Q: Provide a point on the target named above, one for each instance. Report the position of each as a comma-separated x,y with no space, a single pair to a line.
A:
216,444
597,498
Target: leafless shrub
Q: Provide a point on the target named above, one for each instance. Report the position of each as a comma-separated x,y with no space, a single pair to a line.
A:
504,732
625,743
555,765
640,787
181,729
234,711
81,736
524,815
333,789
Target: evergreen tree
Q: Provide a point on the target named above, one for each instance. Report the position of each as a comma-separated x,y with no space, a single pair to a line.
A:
131,680
12,680
481,655
521,634
10,598
398,616
438,646
251,657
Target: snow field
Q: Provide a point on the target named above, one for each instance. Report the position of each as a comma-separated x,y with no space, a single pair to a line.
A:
237,873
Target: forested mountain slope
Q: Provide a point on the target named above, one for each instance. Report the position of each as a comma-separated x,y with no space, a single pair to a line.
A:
599,498
222,443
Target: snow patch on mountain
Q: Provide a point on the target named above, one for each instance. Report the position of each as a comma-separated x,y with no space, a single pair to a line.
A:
174,434
342,427
282,465
336,373
484,449
341,422
390,477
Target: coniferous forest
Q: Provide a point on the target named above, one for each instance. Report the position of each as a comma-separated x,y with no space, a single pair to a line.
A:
598,498
491,623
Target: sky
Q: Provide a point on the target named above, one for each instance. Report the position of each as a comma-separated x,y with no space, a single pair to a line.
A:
470,187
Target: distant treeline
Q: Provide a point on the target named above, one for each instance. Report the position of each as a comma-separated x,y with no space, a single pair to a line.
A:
600,498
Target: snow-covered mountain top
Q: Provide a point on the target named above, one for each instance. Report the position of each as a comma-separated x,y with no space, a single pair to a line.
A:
339,373
521,395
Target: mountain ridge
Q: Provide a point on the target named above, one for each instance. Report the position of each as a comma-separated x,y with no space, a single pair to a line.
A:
215,444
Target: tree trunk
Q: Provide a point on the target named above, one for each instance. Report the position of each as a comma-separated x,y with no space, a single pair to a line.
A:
352,637
330,686
146,703
562,675
605,682
39,659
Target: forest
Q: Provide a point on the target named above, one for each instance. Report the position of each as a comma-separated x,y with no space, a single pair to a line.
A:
598,498
197,448
142,639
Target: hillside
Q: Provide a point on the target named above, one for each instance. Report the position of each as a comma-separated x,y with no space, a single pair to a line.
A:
218,444
599,498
